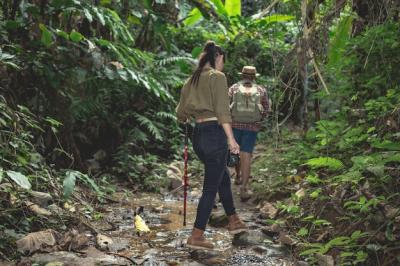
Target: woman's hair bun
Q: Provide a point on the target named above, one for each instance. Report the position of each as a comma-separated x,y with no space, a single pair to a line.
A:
209,47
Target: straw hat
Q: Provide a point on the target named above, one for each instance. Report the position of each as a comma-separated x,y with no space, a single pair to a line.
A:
249,70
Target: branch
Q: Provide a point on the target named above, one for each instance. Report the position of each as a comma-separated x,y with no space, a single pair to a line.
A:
265,11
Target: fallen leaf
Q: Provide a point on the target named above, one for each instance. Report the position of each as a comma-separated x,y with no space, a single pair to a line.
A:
391,212
74,241
103,241
300,193
41,240
37,209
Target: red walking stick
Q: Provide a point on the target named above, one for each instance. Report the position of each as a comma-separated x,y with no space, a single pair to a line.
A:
185,177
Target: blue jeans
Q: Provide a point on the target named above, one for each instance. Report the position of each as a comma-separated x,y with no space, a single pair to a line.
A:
210,145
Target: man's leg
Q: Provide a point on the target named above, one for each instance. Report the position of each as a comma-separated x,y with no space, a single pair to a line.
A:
237,133
246,152
238,179
245,165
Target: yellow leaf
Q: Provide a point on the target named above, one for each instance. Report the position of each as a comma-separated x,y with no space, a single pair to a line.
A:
140,224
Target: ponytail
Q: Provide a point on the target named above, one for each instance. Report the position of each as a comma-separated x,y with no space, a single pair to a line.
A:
209,54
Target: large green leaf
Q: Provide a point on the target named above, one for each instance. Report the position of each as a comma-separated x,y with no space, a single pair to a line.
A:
75,36
69,183
46,38
233,7
219,7
274,18
338,43
387,145
194,16
20,179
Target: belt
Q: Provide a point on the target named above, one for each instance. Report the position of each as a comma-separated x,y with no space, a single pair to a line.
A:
201,120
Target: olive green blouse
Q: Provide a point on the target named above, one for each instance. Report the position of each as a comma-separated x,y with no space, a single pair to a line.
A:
209,99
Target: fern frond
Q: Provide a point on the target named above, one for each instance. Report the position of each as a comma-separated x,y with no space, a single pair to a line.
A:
166,115
325,162
174,59
150,126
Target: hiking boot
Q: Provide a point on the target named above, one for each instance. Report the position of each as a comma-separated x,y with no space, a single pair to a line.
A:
197,241
245,194
236,225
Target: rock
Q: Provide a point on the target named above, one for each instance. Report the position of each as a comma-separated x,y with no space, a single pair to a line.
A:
195,193
40,198
42,240
118,244
285,239
72,259
218,219
174,183
271,250
250,238
301,263
268,211
104,242
271,230
209,257
324,260
55,263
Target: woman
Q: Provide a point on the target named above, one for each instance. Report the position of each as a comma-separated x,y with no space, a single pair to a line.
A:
205,98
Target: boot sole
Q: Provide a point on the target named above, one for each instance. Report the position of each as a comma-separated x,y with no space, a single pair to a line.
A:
237,231
198,247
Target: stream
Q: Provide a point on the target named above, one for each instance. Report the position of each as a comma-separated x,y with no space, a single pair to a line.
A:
165,243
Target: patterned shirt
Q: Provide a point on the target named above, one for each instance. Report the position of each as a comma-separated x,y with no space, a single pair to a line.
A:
264,102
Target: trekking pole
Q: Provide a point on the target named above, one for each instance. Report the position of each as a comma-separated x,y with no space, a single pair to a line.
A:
185,177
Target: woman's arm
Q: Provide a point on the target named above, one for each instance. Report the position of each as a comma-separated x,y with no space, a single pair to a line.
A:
233,146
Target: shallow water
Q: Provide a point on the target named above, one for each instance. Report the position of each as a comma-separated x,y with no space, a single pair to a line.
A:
165,244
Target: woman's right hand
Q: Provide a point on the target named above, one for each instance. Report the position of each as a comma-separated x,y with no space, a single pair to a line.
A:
233,146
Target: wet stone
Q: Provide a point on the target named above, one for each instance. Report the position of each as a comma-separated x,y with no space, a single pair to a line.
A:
218,219
71,259
118,244
209,257
271,250
250,238
177,243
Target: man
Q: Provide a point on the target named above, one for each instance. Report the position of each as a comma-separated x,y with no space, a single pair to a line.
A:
249,106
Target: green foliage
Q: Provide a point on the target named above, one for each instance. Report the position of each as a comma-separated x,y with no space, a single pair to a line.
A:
325,162
233,7
344,243
363,205
20,179
338,44
69,183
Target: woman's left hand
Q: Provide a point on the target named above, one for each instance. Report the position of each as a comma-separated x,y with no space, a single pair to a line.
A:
233,146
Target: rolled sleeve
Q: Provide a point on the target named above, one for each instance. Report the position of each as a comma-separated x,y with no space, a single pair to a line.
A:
220,97
180,109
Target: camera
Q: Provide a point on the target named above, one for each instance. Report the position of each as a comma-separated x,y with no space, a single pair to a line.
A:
233,159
